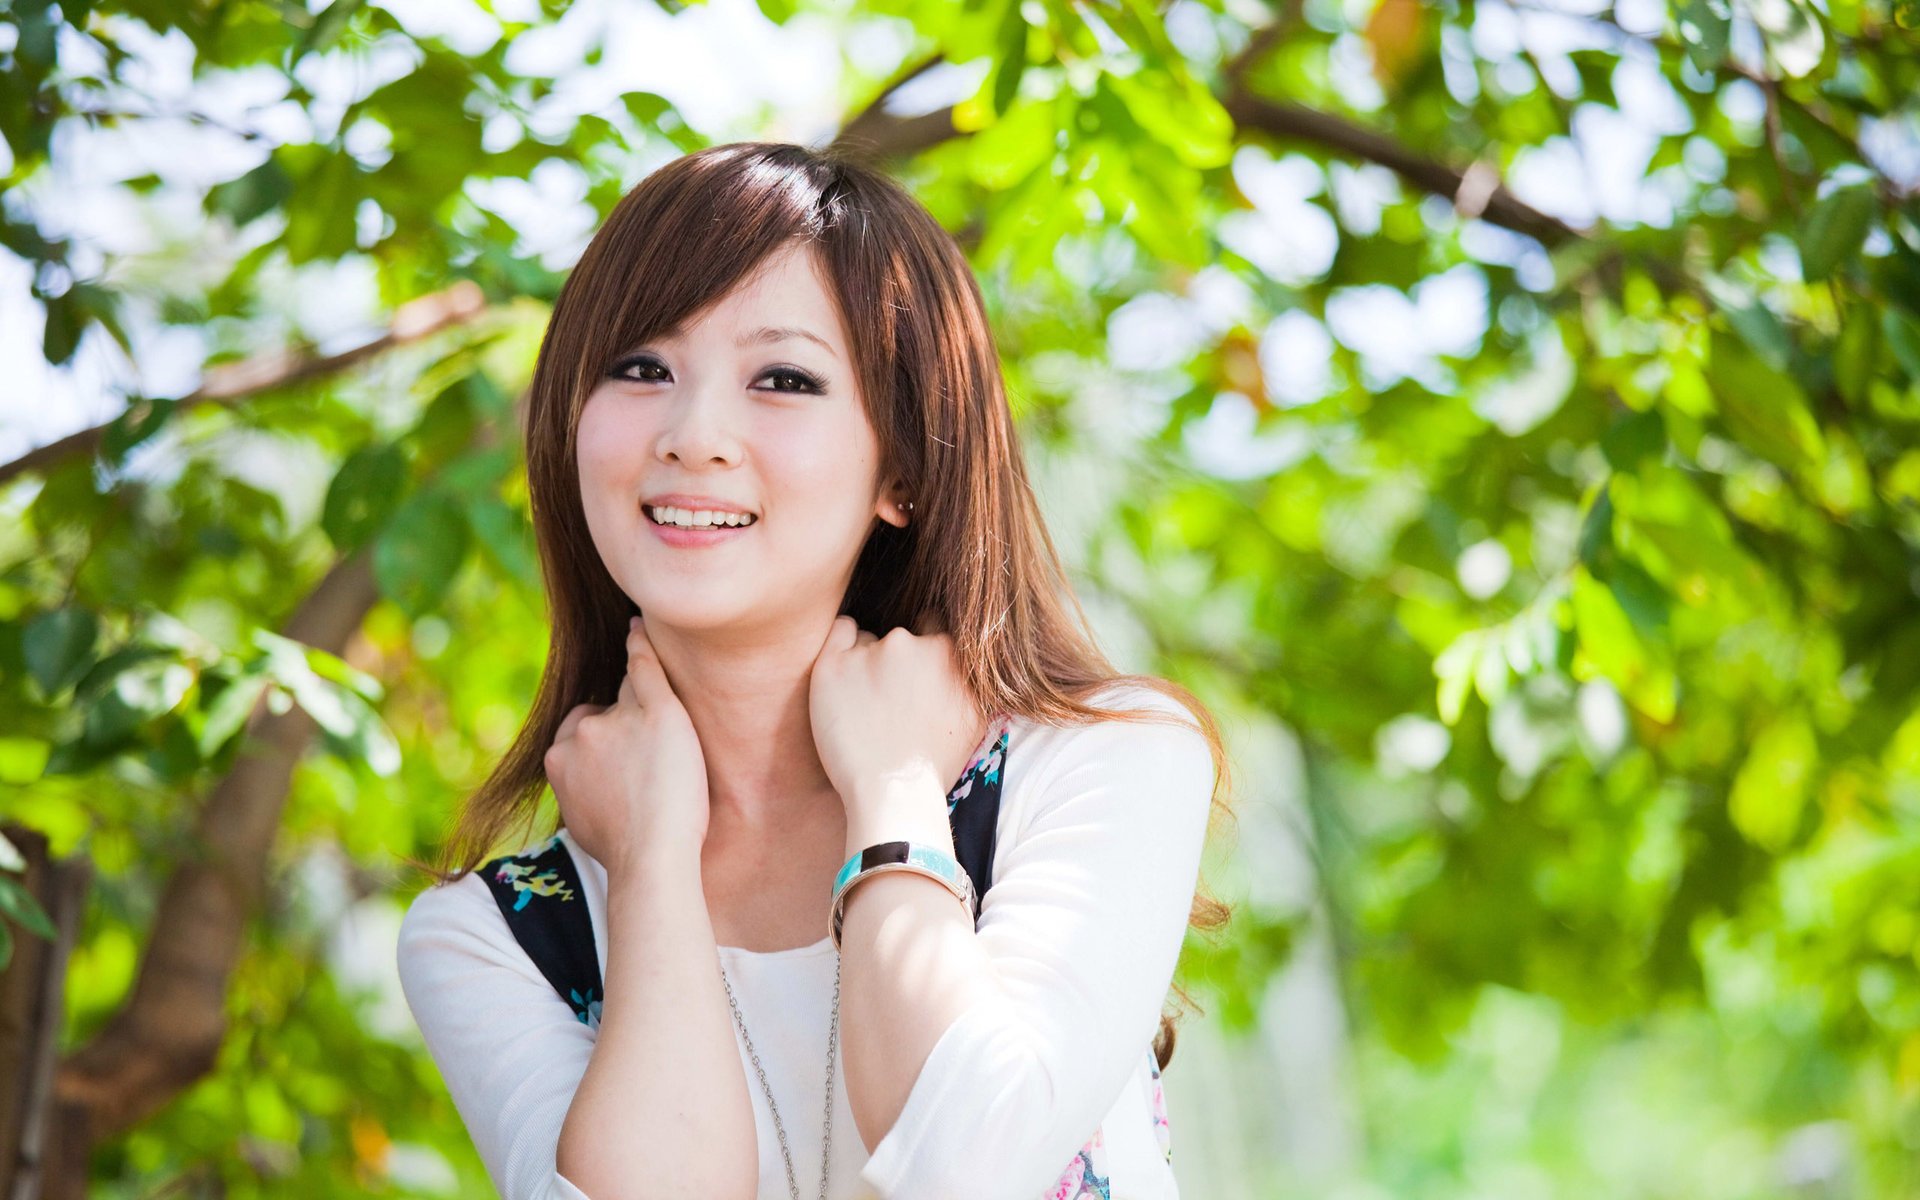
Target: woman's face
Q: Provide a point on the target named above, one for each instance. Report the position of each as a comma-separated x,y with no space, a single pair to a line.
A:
752,408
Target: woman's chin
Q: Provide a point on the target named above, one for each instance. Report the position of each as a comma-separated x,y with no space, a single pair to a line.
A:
686,615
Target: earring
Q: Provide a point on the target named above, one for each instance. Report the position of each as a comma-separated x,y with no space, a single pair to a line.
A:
908,506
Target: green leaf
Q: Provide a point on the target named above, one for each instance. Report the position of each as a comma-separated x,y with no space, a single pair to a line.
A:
1771,789
1609,646
1633,436
368,741
326,27
1903,338
145,691
507,538
1705,27
365,492
66,320
418,553
1794,35
1855,354
1186,119
446,426
58,647
1456,668
1764,408
17,902
322,224
339,670
253,195
1596,529
646,108
1835,230
1757,325
349,723
162,629
143,417
1010,57
228,711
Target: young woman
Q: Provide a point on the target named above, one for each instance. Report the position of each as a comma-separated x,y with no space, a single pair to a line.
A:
799,586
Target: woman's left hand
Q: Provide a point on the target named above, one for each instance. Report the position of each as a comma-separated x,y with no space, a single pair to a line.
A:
889,711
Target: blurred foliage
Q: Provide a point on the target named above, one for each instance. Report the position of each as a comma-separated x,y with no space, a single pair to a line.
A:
1595,615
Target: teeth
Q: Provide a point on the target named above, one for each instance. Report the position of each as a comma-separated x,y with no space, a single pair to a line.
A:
698,518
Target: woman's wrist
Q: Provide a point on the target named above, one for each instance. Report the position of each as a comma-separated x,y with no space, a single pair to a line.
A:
899,814
667,860
935,865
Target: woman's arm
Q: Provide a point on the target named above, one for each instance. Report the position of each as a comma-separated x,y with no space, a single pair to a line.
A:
518,1063
663,1109
1021,1036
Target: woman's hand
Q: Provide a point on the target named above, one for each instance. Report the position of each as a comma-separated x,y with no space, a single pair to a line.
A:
630,776
890,710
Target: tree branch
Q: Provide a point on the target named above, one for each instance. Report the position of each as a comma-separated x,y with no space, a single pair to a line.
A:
231,382
1291,121
878,134
169,1031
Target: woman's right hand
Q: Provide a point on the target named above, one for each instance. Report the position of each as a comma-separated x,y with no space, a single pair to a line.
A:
630,776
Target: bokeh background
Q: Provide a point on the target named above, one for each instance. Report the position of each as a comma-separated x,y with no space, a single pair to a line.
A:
1506,415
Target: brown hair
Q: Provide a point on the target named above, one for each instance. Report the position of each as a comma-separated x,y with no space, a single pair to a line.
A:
977,553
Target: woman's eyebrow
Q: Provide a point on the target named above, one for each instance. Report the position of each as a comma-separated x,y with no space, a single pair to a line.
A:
763,335
777,333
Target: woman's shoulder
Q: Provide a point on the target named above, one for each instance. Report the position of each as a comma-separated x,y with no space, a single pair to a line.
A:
468,902
1164,712
462,903
1167,743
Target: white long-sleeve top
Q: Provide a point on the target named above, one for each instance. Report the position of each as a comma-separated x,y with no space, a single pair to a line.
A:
1041,1094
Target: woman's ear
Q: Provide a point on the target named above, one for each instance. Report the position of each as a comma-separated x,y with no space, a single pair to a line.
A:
896,505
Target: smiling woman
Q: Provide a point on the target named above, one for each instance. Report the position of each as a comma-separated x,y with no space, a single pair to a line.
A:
815,673
747,408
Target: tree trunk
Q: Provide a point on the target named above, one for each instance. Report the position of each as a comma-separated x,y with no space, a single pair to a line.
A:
32,1008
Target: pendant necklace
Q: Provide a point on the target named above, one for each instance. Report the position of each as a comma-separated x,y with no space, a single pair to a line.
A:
833,1037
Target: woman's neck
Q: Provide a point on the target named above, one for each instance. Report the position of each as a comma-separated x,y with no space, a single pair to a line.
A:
748,705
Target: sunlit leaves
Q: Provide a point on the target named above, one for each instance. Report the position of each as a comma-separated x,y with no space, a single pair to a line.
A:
1679,764
1771,789
226,713
339,700
1010,58
1179,114
1612,645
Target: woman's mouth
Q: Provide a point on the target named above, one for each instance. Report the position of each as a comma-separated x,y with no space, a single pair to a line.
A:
683,528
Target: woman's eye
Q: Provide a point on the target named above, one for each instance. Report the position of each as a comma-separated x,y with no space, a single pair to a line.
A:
633,370
621,368
807,382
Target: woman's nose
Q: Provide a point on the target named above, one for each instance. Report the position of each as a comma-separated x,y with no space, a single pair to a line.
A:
700,425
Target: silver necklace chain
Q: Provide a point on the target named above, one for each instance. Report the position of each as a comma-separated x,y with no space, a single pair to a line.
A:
833,1038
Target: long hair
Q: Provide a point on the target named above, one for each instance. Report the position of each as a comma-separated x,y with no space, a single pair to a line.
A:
977,554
